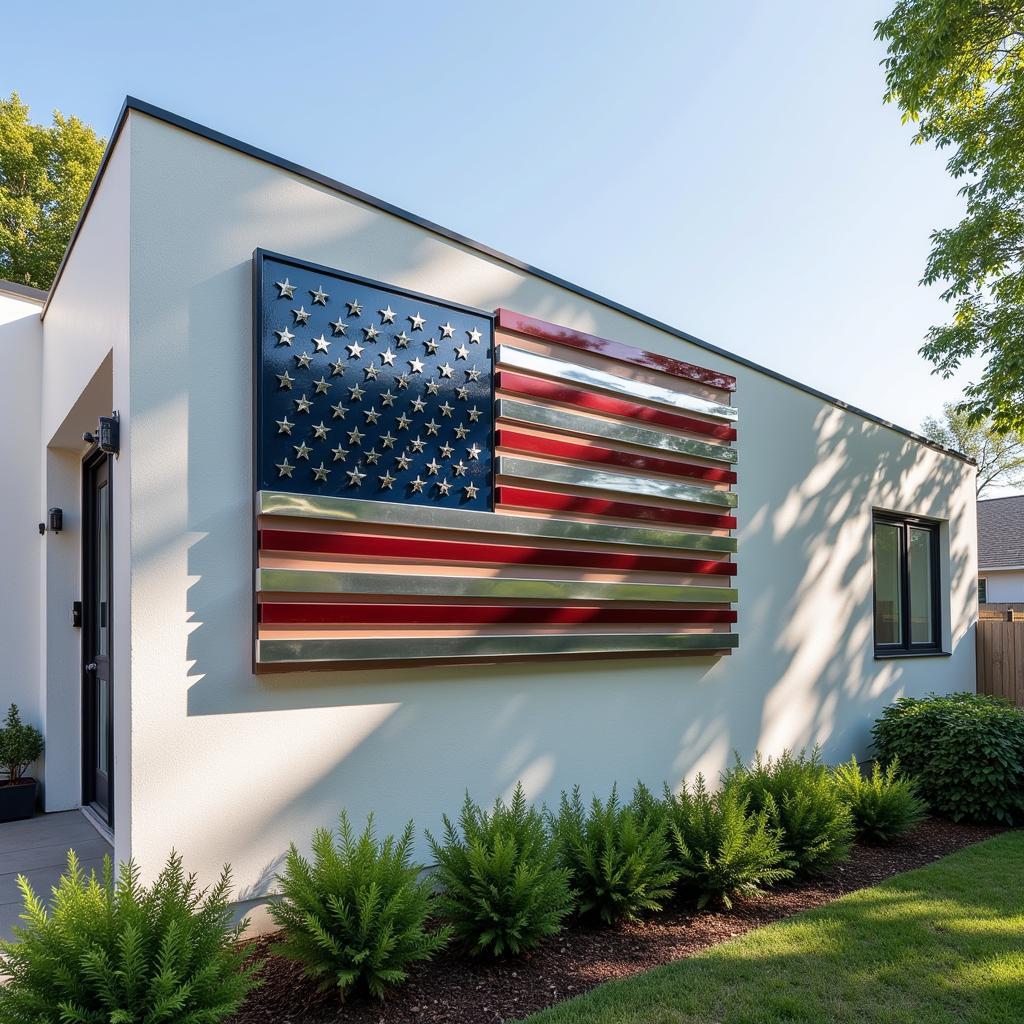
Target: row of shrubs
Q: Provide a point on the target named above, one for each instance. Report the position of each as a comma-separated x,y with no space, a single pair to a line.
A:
359,911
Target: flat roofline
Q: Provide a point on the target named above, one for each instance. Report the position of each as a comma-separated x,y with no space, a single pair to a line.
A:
23,291
131,103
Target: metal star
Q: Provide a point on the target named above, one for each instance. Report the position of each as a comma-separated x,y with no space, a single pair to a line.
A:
283,426
433,467
446,451
372,457
340,454
417,445
447,330
387,398
402,339
319,296
417,321
417,485
403,461
354,437
444,487
402,380
386,481
337,367
387,315
284,336
321,472
286,380
339,326
473,451
433,428
447,410
321,344
418,405
356,392
460,468
403,422
472,374
338,411
473,414
371,415
462,352
433,388
471,491
371,371
371,332
388,440
474,336
417,366
321,430
287,290
302,450
322,385
302,360
387,356
284,468
462,394
445,370
431,346
303,404
462,432
355,478
301,316
354,308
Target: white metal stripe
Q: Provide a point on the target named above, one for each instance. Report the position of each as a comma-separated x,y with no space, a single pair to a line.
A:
621,483
508,355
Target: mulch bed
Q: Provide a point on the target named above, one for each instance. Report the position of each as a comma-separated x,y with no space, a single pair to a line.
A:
453,990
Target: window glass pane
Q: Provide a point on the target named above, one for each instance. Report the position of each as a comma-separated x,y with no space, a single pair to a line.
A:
922,626
887,584
982,591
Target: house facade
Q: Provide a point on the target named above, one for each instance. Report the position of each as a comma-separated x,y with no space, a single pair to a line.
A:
1001,550
140,635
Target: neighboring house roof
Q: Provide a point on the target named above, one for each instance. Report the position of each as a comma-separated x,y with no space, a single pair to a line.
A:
1001,533
22,291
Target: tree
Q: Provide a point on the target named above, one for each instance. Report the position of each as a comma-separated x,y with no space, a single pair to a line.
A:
1000,456
45,174
956,69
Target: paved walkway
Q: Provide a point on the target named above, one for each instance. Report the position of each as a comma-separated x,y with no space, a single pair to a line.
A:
38,848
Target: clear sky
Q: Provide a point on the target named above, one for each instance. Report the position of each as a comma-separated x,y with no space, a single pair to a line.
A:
727,167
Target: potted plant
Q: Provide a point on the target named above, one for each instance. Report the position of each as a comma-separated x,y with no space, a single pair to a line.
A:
20,745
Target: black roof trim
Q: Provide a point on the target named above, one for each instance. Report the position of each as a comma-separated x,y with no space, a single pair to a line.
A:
168,117
23,291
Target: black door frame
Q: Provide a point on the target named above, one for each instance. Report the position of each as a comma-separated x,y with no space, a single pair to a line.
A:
91,462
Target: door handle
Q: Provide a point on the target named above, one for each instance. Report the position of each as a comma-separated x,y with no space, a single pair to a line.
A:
91,667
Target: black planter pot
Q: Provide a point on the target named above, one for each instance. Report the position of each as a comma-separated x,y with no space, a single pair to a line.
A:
18,801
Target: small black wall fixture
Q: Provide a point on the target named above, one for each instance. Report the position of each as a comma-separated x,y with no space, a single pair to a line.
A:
108,434
54,521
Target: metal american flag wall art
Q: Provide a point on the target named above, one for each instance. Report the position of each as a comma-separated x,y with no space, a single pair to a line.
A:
440,483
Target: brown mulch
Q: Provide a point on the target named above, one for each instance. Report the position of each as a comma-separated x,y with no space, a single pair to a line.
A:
453,990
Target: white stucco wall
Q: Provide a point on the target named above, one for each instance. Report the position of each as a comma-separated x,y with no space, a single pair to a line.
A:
1004,585
230,767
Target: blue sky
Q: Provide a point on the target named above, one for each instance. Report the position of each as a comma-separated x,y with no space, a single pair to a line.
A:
726,167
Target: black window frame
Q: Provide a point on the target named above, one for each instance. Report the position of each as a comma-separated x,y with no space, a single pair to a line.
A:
982,590
905,648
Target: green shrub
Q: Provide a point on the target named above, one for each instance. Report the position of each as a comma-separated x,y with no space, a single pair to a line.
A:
801,801
617,855
885,805
501,886
356,916
723,850
112,951
964,750
20,745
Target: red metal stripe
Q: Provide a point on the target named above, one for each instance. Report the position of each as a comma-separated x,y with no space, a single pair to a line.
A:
535,328
535,387
311,613
551,501
559,449
353,544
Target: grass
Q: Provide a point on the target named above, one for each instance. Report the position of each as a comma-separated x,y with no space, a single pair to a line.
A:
941,944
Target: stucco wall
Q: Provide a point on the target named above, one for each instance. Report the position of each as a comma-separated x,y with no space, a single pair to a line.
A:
1004,585
230,767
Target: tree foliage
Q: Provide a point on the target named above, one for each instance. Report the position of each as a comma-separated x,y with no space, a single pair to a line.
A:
1000,456
45,175
956,69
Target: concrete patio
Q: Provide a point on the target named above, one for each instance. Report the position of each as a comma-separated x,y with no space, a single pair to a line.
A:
37,848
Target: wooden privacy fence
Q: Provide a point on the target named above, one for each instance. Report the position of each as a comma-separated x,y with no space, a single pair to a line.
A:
1000,649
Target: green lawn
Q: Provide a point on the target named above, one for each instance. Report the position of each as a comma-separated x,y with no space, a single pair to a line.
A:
941,944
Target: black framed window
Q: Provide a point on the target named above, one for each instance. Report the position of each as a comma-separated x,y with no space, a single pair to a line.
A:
908,610
982,590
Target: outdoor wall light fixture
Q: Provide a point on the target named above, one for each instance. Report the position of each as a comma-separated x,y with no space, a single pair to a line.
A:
107,436
55,518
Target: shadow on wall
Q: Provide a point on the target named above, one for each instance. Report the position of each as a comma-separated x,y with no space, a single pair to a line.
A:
417,738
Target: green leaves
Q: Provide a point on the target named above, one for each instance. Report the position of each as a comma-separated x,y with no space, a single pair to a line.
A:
356,915
20,745
45,175
112,950
964,750
884,805
501,885
956,69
